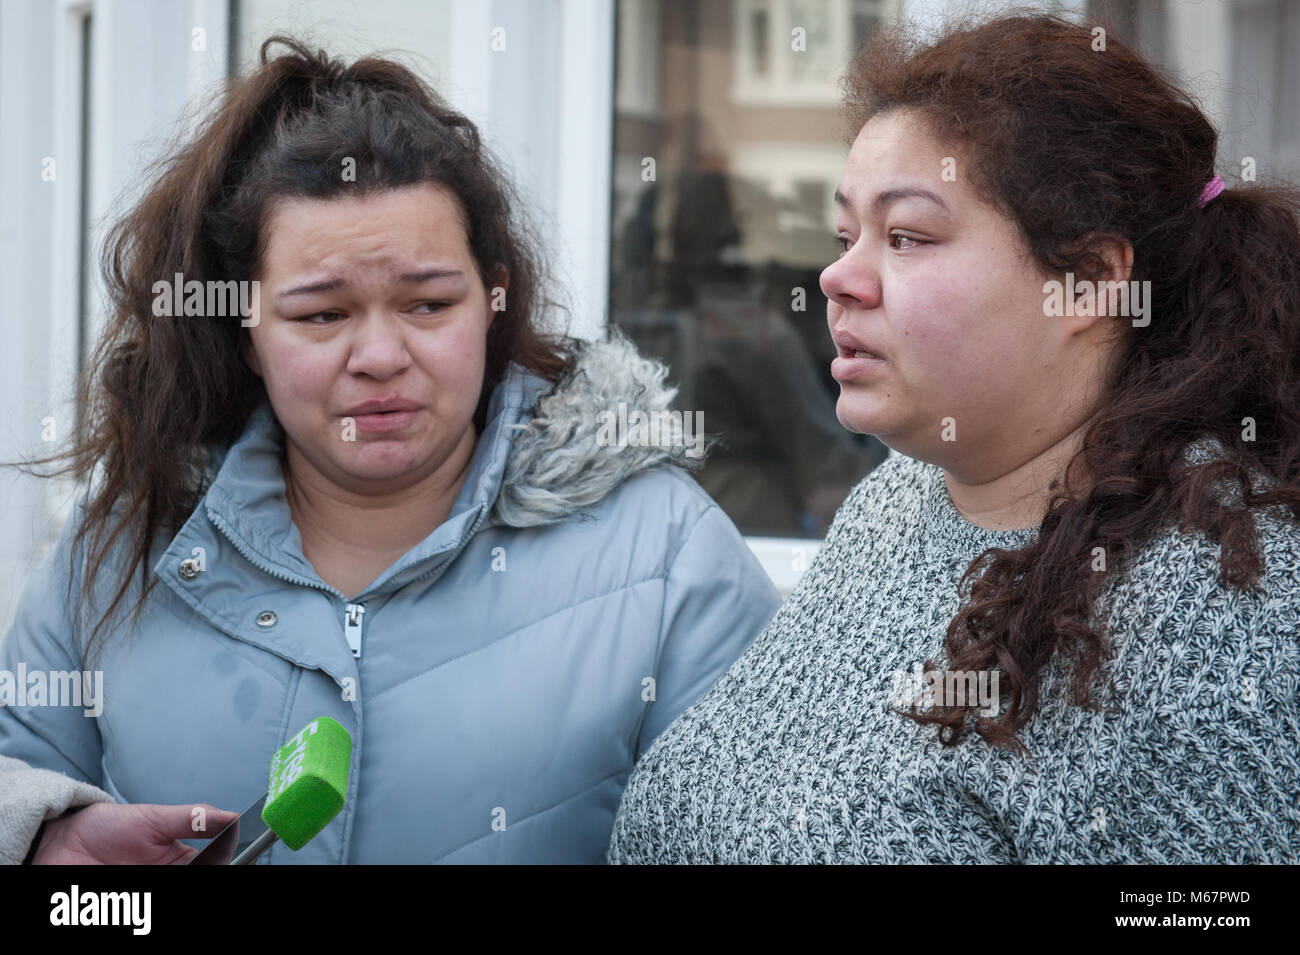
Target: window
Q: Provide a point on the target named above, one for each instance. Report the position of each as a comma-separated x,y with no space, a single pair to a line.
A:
721,223
350,28
792,51
1239,61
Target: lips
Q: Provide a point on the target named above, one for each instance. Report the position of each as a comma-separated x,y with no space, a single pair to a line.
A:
850,346
383,405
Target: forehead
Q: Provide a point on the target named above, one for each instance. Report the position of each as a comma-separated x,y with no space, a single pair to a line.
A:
893,150
413,221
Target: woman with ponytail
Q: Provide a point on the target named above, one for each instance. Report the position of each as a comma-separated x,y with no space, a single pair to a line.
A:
1062,623
381,490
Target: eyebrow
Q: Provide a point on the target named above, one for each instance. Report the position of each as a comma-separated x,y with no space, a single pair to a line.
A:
883,199
408,278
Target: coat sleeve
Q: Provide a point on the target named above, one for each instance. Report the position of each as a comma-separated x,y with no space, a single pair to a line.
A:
717,599
30,796
43,644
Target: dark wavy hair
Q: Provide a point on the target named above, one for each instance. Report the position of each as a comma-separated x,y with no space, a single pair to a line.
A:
1072,143
157,393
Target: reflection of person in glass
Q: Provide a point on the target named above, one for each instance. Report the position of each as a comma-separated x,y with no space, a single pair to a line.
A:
784,462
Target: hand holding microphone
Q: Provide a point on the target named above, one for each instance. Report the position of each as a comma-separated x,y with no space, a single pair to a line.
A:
108,833
308,785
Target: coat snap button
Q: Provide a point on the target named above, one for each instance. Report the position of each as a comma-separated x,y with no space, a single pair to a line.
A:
266,619
189,568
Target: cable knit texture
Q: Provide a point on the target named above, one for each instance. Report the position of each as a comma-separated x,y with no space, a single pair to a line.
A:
794,755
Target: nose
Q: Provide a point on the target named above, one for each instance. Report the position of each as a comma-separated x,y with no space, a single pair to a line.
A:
852,280
378,347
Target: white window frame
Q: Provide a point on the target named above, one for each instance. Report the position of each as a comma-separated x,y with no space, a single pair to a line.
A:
119,123
784,558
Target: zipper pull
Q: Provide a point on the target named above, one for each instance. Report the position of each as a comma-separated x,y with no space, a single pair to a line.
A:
352,627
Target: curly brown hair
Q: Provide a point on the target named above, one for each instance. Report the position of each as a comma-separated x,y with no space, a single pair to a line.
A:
158,395
1072,143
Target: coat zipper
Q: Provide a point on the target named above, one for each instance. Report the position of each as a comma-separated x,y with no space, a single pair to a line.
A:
352,627
352,612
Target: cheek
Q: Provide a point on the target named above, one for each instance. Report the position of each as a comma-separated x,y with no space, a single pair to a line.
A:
956,328
294,370
453,359
932,324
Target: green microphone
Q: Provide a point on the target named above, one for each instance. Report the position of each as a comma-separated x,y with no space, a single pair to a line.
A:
309,782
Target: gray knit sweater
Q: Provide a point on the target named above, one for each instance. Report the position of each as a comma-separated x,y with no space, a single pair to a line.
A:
793,756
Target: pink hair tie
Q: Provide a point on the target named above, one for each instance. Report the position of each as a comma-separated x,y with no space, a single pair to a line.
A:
1212,189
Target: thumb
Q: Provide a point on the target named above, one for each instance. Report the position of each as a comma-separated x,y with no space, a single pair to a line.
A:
194,821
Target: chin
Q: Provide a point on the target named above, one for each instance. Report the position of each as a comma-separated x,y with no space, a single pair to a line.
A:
858,419
380,466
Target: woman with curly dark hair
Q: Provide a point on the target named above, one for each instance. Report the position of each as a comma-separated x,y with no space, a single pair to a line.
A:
375,485
1062,624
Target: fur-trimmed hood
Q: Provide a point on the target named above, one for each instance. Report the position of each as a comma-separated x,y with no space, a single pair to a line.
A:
609,419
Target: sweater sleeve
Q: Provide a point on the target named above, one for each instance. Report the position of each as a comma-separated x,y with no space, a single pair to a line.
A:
43,650
29,797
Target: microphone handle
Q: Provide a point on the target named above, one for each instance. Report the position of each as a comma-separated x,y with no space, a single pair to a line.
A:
256,848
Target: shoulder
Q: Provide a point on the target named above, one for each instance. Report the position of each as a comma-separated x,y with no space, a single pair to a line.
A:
62,558
663,502
1184,562
657,526
1176,613
81,573
1206,678
653,510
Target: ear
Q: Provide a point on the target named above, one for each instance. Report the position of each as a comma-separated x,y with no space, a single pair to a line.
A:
1111,257
1107,264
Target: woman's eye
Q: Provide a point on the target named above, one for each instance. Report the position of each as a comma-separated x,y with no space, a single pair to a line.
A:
432,307
903,238
844,242
325,316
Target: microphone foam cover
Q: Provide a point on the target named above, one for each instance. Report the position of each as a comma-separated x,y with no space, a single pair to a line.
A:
309,781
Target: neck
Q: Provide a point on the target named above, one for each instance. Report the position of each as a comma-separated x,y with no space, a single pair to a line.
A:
1017,498
333,519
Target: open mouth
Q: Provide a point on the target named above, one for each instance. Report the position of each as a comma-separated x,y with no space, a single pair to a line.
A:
849,353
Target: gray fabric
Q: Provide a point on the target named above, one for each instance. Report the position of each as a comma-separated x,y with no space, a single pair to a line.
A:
795,755
30,796
514,664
